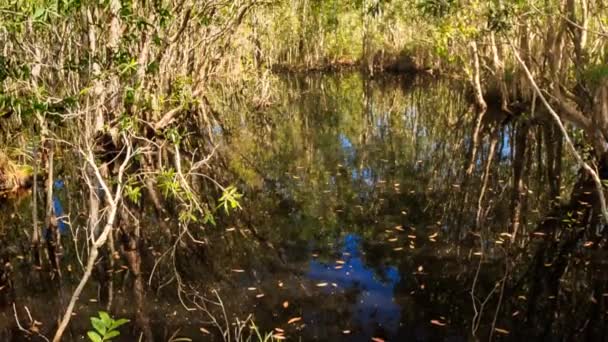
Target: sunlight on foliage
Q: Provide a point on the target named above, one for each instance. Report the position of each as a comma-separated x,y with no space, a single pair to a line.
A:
106,328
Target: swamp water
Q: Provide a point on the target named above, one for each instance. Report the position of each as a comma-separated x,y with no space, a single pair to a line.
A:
357,223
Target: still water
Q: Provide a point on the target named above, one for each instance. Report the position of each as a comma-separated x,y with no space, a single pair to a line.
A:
357,224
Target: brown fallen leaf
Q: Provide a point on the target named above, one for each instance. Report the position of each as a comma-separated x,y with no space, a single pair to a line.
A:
501,331
294,319
438,322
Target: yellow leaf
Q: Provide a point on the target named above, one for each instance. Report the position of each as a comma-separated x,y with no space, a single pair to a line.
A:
501,331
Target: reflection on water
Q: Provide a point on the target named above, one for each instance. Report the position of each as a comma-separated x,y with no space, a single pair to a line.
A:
357,221
374,309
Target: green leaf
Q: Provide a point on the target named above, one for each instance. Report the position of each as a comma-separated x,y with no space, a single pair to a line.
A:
99,325
39,13
93,336
118,323
209,218
105,317
111,334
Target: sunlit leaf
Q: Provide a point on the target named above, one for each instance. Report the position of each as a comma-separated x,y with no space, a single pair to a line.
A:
94,337
98,325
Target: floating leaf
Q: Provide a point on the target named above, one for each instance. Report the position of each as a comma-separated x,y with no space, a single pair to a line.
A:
501,331
294,319
437,322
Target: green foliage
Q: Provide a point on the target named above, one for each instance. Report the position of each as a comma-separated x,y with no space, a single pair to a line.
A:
168,183
498,19
105,327
133,192
436,8
594,74
230,199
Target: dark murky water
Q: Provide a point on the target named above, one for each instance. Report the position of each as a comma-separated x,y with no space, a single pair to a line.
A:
355,225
